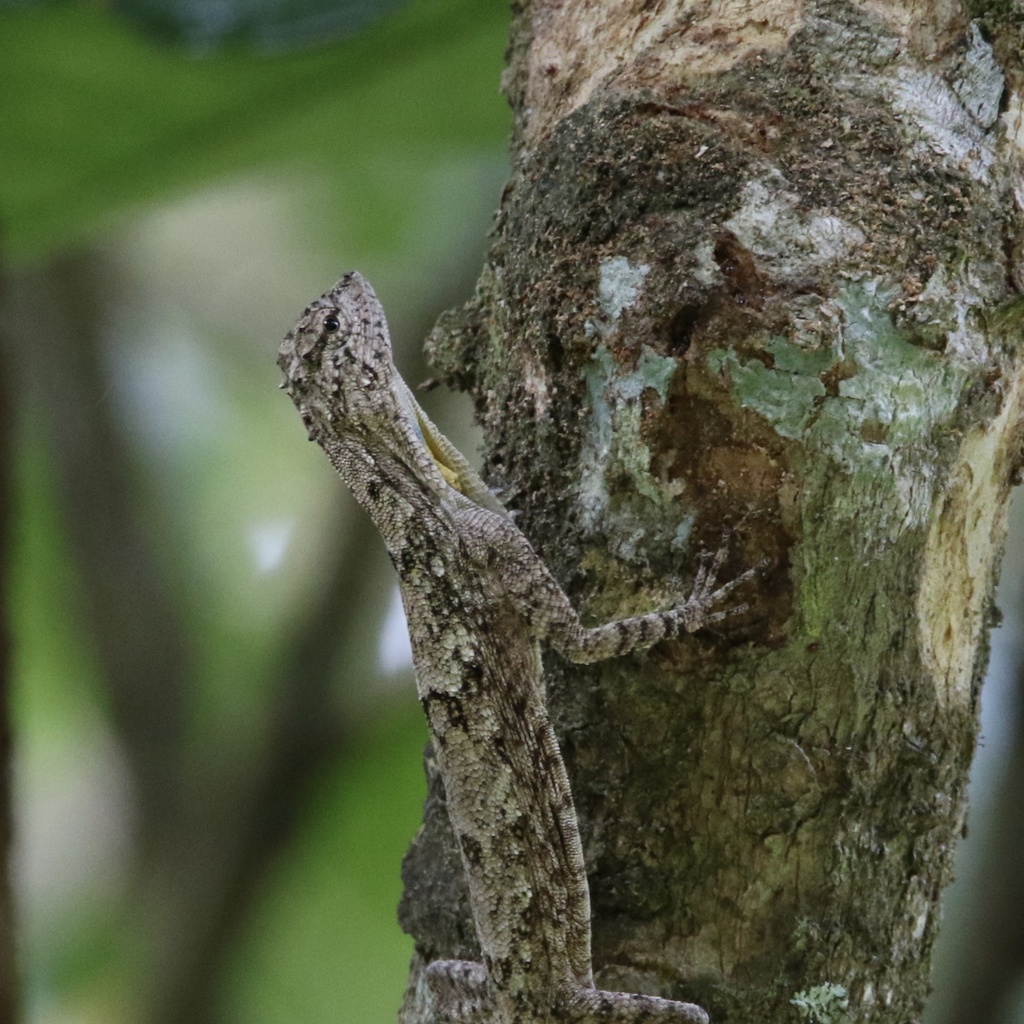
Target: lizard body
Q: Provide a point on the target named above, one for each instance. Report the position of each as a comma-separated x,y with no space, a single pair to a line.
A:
479,602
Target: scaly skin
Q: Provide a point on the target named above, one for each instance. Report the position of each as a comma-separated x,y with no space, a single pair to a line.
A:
479,603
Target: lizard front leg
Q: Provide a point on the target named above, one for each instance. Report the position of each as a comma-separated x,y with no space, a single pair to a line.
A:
540,600
503,554
479,602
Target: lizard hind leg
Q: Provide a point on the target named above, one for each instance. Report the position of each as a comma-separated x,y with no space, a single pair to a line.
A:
596,1006
459,990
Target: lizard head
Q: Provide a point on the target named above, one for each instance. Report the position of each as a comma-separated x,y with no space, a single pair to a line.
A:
337,363
339,372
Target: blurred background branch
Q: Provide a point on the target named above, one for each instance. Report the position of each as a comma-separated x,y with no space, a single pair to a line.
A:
8,925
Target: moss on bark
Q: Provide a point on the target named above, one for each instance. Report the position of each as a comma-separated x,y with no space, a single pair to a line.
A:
775,296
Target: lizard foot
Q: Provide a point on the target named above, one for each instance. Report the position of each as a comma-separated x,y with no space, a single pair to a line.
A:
460,994
695,612
596,1006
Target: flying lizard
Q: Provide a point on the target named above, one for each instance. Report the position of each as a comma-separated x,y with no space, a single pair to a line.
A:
479,603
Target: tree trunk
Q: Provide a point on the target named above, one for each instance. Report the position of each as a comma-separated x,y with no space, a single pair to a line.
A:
757,270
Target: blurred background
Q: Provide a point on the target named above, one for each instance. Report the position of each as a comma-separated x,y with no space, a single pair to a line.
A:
217,756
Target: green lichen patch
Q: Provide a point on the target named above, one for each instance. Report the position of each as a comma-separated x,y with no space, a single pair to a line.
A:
786,397
790,358
892,395
823,1004
875,404
616,479
898,384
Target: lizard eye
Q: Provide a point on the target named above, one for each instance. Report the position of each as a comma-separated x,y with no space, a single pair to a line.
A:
331,324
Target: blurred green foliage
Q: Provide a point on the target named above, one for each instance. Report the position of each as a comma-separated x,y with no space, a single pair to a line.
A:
97,119
325,946
362,151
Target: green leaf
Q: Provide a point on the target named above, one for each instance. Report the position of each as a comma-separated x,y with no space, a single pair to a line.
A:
98,120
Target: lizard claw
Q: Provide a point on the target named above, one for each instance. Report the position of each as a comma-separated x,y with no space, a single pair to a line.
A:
696,609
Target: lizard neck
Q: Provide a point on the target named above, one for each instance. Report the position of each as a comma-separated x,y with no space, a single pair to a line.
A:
387,481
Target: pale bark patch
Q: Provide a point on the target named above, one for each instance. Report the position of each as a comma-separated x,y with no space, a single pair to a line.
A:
959,558
925,26
578,46
789,239
1012,121
931,105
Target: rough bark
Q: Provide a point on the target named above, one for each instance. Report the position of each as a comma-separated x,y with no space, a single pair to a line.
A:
758,268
